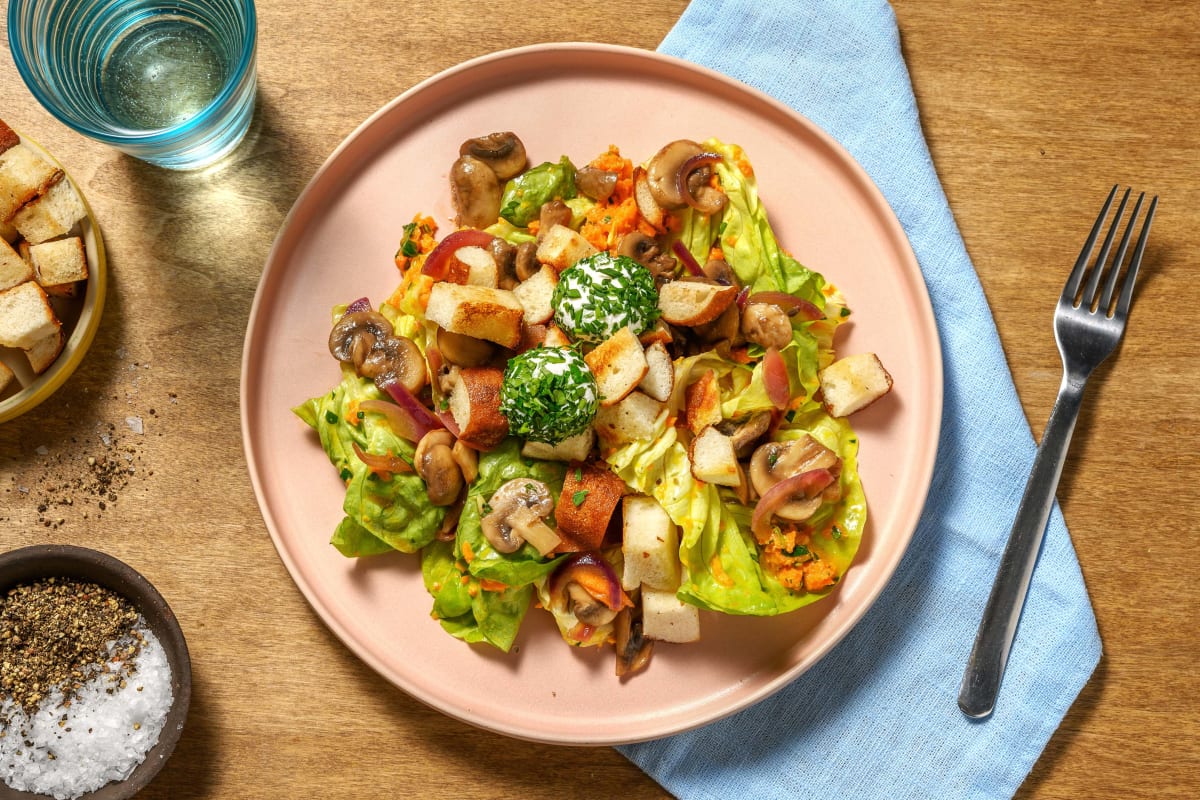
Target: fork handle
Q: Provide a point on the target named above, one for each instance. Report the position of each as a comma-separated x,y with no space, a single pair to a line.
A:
985,667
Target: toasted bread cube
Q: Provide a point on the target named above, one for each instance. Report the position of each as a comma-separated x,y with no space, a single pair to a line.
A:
481,269
13,269
52,214
648,207
556,338
60,261
633,419
659,380
702,402
561,247
590,495
8,233
494,315
26,316
8,137
474,398
6,376
649,544
691,303
618,364
24,175
714,459
852,383
535,294
573,448
45,352
668,619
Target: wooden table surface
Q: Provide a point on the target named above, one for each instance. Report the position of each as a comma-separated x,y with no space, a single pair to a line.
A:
1032,111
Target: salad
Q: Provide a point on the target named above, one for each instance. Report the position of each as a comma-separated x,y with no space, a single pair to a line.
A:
609,394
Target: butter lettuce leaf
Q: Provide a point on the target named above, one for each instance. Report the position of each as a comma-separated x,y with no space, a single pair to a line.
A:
464,608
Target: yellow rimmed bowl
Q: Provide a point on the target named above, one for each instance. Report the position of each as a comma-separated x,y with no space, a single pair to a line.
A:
80,316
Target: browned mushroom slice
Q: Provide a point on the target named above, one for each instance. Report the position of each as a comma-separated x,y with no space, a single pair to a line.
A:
463,350
598,184
367,340
774,462
434,461
663,171
746,431
503,151
516,514
553,212
633,648
475,190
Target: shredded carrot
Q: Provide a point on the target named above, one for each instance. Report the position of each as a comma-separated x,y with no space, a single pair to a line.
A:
489,585
467,553
718,571
744,165
604,225
818,575
534,226
418,240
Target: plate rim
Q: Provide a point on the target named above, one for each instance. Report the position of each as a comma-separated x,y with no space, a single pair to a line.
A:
898,238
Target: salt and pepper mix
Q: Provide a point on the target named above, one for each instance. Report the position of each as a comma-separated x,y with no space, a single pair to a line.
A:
85,687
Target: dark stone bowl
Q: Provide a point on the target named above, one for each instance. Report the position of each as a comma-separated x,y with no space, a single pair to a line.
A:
30,564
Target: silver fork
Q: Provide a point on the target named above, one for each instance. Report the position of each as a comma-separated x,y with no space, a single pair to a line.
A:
1088,324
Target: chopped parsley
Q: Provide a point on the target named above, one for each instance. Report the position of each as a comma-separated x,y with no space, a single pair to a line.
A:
578,497
601,294
548,394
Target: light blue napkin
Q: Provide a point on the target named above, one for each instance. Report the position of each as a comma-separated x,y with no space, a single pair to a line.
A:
878,717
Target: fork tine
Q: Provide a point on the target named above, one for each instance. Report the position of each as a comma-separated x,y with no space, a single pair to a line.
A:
1088,297
1110,282
1076,277
1127,288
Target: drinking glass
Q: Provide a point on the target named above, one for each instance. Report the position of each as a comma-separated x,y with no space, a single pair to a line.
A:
171,82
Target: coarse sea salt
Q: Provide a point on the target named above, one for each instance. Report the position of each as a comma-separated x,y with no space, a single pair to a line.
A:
101,737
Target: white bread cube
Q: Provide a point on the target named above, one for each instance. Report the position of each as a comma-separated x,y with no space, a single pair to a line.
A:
618,364
649,544
24,174
535,294
561,247
714,459
26,317
13,268
573,448
481,266
494,315
691,303
556,338
633,419
667,619
852,383
59,262
659,380
8,233
45,352
53,214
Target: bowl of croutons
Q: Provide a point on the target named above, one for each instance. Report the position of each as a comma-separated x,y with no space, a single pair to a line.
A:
52,274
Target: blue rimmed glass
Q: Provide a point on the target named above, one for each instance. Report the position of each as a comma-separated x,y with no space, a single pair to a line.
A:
171,82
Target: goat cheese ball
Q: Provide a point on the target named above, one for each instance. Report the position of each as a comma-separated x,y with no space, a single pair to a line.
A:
601,294
548,394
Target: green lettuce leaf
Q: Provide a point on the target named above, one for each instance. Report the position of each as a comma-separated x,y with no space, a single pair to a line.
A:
395,510
463,608
497,467
354,541
525,194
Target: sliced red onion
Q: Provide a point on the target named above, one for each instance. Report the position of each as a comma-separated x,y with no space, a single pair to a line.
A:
594,574
438,260
793,306
685,255
775,378
808,484
381,464
708,202
742,297
422,420
361,304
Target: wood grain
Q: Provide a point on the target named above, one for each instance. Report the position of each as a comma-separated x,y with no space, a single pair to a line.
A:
1032,111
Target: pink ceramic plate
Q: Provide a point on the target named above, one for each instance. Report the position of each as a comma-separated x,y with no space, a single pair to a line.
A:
337,244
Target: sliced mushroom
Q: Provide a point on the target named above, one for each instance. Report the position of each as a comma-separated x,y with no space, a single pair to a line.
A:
725,328
505,256
527,264
518,509
598,184
633,648
475,190
586,608
746,432
663,172
463,350
553,212
766,324
504,152
467,459
718,269
776,461
435,463
367,340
